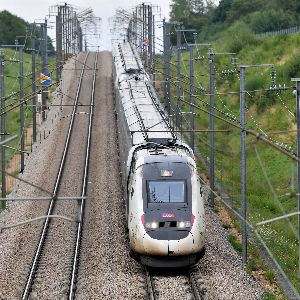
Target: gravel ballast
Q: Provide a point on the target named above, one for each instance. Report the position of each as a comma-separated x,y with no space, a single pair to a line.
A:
106,271
221,270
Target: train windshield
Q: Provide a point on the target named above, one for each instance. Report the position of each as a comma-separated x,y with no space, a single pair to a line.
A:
162,191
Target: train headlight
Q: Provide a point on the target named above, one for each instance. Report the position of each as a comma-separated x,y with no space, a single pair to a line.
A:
154,225
166,173
181,224
151,225
187,224
184,224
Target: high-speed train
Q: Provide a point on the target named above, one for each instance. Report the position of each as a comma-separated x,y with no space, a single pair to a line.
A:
164,205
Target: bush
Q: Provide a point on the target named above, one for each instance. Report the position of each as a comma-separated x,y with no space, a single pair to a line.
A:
226,226
269,296
238,36
236,244
255,82
292,68
270,275
252,266
270,20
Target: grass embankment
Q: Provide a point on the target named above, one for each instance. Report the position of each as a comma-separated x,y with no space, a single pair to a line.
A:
269,172
12,88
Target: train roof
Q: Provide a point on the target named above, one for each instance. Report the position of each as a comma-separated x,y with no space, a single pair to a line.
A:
126,59
144,114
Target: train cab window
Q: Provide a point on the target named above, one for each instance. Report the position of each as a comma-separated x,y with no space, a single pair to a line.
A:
162,191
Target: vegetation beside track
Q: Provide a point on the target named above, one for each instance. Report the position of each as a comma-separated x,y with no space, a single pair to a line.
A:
270,174
12,88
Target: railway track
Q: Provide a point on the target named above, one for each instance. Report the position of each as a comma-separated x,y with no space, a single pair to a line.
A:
83,191
187,281
198,291
54,266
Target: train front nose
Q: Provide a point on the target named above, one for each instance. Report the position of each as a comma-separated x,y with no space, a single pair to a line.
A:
182,245
168,244
165,233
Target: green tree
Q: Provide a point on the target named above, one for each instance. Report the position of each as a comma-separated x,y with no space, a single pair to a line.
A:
197,7
270,20
10,27
258,15
241,8
180,10
220,13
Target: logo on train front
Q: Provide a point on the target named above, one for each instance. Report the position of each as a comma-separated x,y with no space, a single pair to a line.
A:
168,215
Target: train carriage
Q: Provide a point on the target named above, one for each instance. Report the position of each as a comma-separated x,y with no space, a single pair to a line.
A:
164,205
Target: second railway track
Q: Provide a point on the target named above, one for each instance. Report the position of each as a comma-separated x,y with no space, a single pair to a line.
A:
54,266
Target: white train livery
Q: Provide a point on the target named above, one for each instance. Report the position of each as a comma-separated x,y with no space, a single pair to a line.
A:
164,205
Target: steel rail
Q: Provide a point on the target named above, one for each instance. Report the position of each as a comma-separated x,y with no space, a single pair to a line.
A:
191,278
150,286
43,235
196,292
84,190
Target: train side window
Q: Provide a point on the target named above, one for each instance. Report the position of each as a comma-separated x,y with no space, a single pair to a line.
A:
133,163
